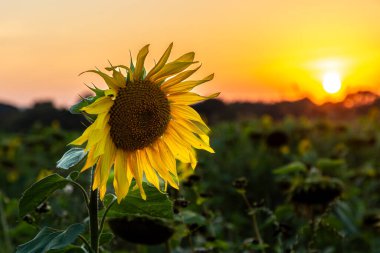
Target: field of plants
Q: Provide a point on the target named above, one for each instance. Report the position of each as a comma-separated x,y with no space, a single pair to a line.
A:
294,185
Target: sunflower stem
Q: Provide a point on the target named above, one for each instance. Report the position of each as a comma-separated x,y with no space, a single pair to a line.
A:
105,215
254,220
84,193
84,240
93,209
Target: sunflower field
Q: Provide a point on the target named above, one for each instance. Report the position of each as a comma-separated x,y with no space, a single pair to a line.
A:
290,185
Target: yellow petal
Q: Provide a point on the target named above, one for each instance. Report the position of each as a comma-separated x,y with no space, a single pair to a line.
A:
99,148
83,138
188,57
193,128
190,138
96,135
136,172
129,171
109,80
94,138
111,93
189,98
164,58
140,63
167,157
101,121
175,144
120,79
108,160
186,86
97,177
186,112
150,174
101,105
91,160
102,191
168,70
178,78
193,158
202,126
120,181
173,68
159,166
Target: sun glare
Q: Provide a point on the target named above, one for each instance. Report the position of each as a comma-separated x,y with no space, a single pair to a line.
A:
331,82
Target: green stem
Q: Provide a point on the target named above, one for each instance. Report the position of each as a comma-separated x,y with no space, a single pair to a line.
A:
105,215
85,195
254,221
94,223
84,240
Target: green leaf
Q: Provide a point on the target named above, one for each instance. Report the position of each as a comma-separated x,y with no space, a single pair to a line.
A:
290,168
71,158
190,217
49,239
105,238
344,213
157,204
40,191
75,109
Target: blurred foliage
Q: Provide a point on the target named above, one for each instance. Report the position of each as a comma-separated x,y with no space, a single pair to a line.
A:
313,185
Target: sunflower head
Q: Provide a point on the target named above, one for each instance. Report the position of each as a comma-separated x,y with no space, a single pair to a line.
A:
313,195
143,123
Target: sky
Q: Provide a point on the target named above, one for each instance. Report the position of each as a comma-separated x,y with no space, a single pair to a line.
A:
259,50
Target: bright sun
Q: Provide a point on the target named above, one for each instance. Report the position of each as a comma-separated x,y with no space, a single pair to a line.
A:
331,82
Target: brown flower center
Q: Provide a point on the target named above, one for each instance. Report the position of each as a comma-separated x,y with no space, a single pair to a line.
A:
139,115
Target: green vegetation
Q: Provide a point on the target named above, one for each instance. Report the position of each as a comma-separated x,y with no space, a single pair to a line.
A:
293,185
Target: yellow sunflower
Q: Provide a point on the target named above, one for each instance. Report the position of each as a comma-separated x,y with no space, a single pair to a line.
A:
143,123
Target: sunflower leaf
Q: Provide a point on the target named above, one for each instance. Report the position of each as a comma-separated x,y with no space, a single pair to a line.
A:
49,239
40,191
105,238
157,205
71,158
76,109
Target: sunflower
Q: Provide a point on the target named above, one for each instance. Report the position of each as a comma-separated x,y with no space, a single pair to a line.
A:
144,123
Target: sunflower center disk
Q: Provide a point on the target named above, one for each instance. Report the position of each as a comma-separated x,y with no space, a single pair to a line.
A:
139,115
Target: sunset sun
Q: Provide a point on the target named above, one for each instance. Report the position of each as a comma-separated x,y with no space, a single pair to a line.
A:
331,82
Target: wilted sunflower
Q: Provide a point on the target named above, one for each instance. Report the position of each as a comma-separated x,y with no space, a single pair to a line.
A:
144,123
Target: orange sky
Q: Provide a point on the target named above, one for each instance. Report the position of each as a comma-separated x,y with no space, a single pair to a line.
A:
259,50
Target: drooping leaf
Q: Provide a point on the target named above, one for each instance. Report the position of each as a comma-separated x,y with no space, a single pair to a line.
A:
49,239
157,204
139,221
39,191
71,158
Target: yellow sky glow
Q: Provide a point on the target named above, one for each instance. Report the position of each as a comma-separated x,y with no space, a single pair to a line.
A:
259,50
